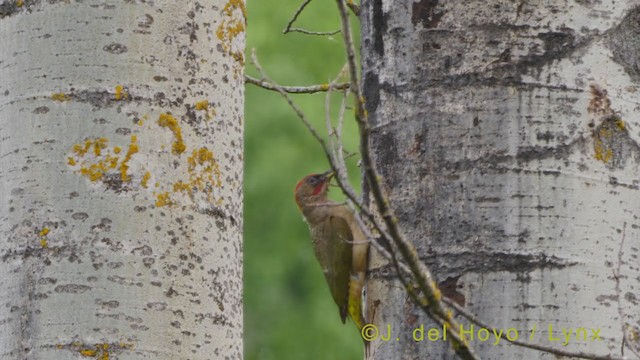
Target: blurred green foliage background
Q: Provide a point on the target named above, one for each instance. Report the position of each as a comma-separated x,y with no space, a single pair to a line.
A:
289,312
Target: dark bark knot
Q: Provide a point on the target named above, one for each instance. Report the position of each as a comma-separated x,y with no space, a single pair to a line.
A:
424,12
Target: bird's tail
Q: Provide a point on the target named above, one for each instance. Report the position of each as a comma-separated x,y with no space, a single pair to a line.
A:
356,284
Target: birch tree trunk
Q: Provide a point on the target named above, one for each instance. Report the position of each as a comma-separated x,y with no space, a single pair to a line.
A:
121,179
507,134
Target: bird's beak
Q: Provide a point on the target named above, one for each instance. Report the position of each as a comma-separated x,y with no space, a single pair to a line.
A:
327,175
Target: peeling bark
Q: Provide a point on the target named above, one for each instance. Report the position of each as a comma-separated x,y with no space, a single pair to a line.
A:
507,134
121,179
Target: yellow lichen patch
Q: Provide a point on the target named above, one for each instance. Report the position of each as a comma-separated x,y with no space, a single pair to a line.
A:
202,105
60,97
181,186
88,352
204,167
111,161
229,29
145,117
601,152
124,166
120,93
81,150
105,351
43,235
44,231
100,144
94,159
94,172
235,4
163,199
204,175
100,351
145,179
606,138
168,121
19,3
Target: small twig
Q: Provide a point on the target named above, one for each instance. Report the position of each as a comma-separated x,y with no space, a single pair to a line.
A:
316,33
341,158
336,146
289,28
294,89
295,15
331,133
355,8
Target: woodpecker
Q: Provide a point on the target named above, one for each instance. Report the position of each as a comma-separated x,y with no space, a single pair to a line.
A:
338,242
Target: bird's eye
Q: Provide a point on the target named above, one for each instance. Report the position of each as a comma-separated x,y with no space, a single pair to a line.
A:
313,180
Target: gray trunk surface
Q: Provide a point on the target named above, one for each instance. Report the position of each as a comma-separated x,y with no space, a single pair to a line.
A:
507,135
121,179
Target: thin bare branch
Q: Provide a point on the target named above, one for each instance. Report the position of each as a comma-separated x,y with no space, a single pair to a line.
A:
289,27
316,33
294,89
295,15
331,132
355,8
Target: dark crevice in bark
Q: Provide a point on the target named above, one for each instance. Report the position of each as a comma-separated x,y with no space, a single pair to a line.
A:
451,53
424,11
9,8
102,99
379,24
444,265
471,80
43,254
371,90
525,154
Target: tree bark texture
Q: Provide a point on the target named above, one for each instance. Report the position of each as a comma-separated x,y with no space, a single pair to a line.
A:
507,135
121,179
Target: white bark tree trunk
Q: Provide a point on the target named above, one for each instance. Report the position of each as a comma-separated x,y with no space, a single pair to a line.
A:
121,179
507,134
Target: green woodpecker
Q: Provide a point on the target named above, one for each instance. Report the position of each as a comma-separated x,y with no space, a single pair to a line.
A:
338,242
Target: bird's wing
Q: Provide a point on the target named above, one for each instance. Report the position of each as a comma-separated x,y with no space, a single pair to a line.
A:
334,255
